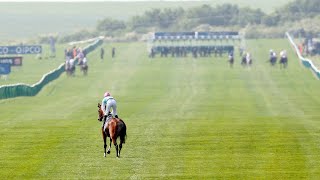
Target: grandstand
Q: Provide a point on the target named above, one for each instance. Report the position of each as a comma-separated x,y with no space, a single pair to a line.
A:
199,44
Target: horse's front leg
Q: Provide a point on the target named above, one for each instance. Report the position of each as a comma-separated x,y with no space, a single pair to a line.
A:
104,141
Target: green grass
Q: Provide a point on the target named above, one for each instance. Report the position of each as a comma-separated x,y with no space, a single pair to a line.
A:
187,119
25,20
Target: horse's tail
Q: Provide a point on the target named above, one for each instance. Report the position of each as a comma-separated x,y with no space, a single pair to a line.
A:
123,133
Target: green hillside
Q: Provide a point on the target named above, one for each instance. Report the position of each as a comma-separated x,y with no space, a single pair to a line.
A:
187,119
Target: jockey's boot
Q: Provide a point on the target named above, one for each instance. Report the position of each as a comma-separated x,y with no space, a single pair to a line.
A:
116,116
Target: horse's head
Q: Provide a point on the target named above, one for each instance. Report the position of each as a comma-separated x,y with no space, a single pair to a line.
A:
100,113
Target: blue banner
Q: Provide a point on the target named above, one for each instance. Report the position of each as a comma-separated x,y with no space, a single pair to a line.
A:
25,49
221,33
173,35
196,35
5,68
13,61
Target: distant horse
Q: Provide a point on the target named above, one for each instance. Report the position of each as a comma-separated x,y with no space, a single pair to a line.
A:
246,59
113,52
283,62
273,60
243,60
249,59
84,69
70,67
84,66
283,59
71,70
114,128
272,57
231,60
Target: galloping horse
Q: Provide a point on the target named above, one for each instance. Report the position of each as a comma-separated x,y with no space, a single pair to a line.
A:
231,59
84,66
273,57
114,128
84,69
70,67
283,59
246,59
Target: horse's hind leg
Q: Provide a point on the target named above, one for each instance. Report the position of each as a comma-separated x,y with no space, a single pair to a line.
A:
117,150
114,140
120,146
109,147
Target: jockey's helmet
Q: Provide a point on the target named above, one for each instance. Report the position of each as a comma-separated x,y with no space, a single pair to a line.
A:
106,94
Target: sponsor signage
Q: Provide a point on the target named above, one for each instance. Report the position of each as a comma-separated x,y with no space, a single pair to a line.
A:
196,35
5,68
25,49
13,61
173,35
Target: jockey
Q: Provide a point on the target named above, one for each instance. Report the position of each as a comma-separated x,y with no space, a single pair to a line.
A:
283,54
84,61
271,53
230,54
70,63
109,102
248,58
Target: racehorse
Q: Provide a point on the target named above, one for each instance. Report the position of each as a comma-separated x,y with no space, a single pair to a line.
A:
273,58
246,59
84,66
114,128
283,62
70,67
84,69
243,60
283,59
231,59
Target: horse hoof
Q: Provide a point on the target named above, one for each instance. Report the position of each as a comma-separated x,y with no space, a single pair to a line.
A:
108,152
104,155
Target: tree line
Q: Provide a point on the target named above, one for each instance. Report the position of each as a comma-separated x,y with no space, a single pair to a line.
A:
295,15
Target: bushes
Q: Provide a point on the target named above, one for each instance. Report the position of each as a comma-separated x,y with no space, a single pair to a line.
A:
77,36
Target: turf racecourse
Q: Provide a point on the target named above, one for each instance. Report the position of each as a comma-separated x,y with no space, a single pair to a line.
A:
187,119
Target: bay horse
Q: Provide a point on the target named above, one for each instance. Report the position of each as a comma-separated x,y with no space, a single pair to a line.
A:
114,129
